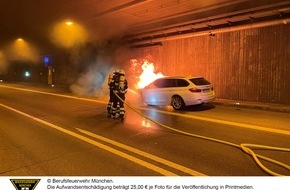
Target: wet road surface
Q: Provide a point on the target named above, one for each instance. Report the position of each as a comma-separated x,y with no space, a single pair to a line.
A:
47,131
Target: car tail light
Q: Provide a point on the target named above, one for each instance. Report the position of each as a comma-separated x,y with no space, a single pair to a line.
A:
194,90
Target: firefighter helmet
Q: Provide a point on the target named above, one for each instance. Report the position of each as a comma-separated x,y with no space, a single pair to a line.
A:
122,72
117,71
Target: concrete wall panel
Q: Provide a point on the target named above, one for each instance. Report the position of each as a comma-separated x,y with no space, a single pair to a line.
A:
250,65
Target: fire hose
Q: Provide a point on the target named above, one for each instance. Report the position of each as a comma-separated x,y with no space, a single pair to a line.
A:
247,148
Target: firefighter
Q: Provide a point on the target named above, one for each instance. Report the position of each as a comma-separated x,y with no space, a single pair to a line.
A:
123,86
111,87
115,100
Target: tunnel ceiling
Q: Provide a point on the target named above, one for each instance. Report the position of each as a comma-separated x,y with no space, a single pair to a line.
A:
136,20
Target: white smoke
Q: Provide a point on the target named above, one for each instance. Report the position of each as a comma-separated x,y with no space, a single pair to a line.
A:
94,62
93,80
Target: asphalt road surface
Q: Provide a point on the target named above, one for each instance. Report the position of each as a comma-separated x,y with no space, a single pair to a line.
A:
50,132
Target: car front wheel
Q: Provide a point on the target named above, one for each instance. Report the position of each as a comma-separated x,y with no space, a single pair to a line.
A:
177,103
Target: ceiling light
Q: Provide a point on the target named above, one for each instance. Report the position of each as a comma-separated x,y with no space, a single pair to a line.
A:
69,23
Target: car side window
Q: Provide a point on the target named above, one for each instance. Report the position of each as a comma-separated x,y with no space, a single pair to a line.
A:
159,83
169,83
164,83
181,83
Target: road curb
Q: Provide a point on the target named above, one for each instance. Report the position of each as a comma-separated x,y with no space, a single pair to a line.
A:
253,105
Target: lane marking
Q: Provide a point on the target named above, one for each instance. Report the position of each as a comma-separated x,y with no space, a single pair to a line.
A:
53,94
144,154
242,125
110,149
231,123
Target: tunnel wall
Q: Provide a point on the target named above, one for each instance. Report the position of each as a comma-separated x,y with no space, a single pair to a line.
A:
248,65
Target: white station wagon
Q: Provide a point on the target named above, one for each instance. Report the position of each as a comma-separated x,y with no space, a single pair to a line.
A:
178,92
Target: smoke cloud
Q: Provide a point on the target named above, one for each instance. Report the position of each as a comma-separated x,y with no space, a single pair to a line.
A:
97,58
91,82
94,63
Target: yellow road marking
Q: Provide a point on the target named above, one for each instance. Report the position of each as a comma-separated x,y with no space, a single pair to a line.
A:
144,154
242,125
110,149
53,94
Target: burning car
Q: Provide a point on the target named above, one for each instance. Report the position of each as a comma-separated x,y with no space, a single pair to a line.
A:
178,92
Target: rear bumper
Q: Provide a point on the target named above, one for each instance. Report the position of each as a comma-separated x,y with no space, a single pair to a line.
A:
200,100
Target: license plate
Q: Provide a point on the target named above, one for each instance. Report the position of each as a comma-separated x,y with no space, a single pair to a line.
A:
206,90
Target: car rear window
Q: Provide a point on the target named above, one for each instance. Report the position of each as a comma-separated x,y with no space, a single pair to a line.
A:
199,81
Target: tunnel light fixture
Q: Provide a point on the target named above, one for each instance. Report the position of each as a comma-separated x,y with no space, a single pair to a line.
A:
69,23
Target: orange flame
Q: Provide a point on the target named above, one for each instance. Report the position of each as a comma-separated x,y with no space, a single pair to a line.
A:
148,75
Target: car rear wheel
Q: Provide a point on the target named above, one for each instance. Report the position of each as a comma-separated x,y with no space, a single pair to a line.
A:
177,103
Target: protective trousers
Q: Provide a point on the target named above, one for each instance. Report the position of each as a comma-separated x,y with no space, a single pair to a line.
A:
115,105
110,103
122,109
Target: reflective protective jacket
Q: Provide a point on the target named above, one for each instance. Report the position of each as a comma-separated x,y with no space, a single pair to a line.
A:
123,84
